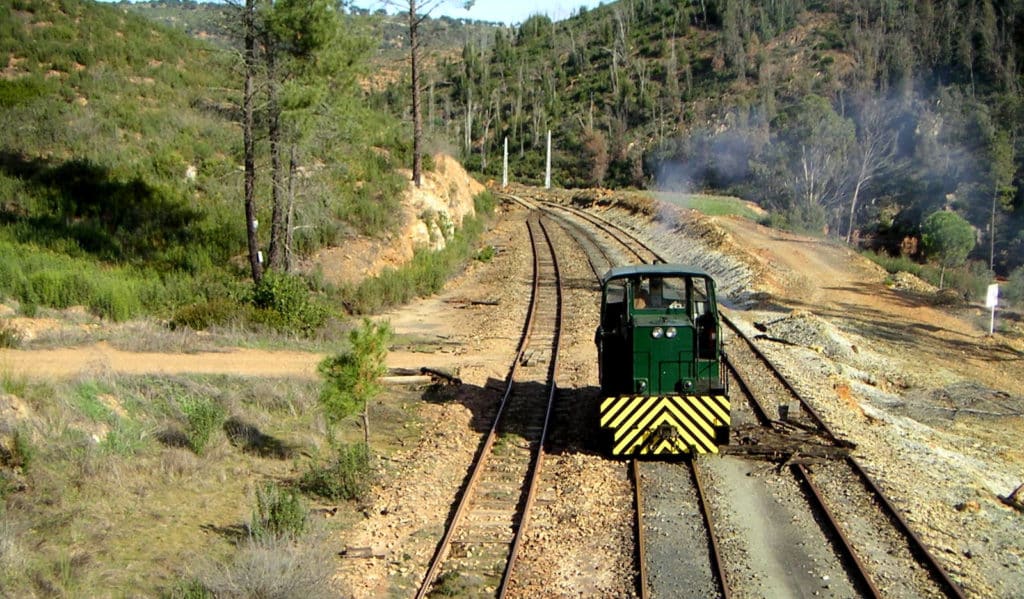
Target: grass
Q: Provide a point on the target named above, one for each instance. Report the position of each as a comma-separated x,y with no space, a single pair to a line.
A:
102,477
711,205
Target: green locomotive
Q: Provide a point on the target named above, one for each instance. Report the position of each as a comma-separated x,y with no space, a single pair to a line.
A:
663,383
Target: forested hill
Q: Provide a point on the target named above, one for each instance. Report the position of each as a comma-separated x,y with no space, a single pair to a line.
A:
121,154
856,117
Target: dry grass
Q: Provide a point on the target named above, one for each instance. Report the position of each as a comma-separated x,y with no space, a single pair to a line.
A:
131,516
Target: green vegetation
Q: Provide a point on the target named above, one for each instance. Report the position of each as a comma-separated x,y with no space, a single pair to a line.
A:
119,155
947,238
352,378
345,473
279,513
203,417
710,205
424,275
716,96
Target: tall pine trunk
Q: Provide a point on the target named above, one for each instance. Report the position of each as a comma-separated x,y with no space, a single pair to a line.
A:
275,257
249,142
417,123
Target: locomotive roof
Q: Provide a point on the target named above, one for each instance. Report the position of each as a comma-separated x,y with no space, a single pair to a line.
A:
635,270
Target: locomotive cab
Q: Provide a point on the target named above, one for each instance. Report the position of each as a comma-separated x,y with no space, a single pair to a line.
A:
659,352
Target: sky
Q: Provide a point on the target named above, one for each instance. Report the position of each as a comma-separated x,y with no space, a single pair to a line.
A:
509,12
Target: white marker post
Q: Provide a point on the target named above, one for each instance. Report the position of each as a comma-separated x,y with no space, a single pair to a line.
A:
991,301
504,170
547,169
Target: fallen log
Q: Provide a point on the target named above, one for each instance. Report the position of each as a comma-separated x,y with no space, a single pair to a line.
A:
443,374
412,379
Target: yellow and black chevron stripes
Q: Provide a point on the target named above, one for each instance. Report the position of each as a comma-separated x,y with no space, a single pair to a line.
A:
664,425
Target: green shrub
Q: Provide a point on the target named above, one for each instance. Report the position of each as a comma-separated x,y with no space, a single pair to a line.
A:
21,453
483,203
191,588
285,303
343,475
203,417
1013,289
86,399
126,438
279,513
486,253
116,300
203,315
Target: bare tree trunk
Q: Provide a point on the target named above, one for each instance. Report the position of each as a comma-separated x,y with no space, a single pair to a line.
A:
366,425
417,123
274,255
249,143
853,209
289,229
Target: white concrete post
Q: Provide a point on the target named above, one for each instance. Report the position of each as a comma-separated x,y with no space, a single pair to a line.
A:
547,169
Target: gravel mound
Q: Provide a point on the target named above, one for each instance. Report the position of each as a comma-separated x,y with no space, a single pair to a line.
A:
904,281
804,329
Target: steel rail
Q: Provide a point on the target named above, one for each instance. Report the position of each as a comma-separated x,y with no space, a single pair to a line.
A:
641,537
444,545
863,578
538,461
917,545
705,509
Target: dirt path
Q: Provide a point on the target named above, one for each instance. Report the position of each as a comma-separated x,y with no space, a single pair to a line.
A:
835,283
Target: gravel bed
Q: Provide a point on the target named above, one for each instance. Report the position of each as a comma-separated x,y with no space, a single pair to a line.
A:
579,541
880,547
678,548
942,465
771,544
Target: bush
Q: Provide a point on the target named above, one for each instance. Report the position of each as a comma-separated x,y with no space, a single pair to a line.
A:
190,589
279,513
1013,289
203,315
275,568
203,417
286,304
486,254
344,475
484,203
21,453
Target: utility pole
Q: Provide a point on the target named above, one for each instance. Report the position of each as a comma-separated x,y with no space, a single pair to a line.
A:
547,168
504,169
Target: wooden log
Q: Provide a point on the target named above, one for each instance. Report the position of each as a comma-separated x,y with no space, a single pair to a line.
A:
414,379
361,552
443,374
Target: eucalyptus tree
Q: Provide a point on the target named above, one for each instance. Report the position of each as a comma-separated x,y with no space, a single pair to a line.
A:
873,154
819,142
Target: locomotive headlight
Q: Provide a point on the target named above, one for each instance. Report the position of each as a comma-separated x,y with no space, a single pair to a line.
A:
657,332
670,332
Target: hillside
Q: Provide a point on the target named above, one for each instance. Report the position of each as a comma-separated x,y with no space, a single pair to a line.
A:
121,161
852,118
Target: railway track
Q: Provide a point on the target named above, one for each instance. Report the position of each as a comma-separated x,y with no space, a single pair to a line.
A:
478,550
772,393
